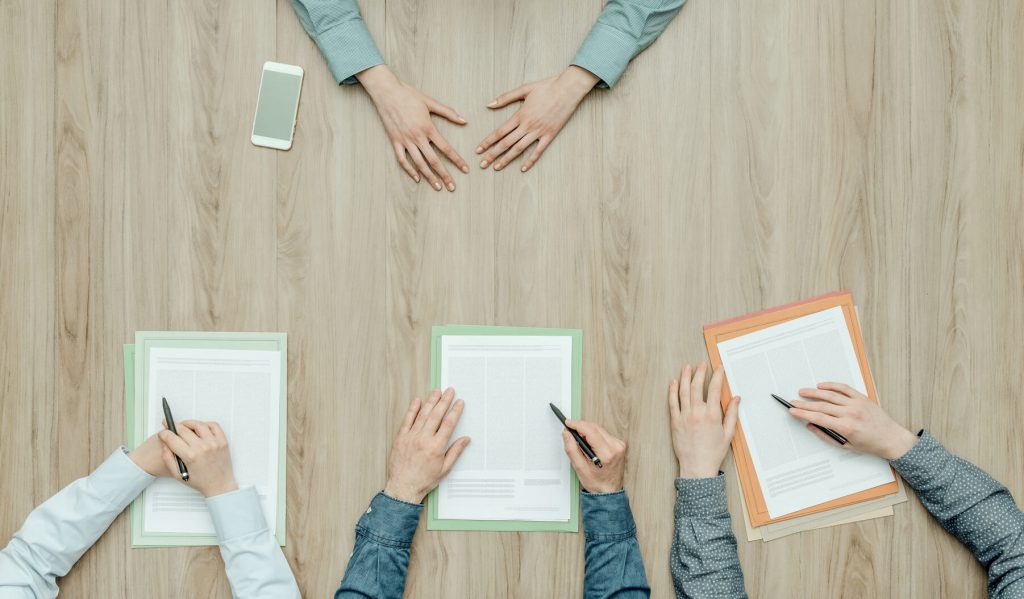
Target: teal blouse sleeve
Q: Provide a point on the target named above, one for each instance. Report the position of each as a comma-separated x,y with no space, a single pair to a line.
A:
339,31
625,29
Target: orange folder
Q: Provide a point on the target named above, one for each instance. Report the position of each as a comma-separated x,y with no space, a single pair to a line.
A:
742,325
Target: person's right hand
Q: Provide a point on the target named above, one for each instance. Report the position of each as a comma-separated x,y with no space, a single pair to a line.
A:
853,415
204,449
611,452
700,433
405,112
420,456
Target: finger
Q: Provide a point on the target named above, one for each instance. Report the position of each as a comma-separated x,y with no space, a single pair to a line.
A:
176,444
217,431
424,413
697,386
842,389
421,164
186,433
673,399
198,427
516,150
168,460
816,418
508,97
732,414
819,434
572,449
505,128
451,419
537,152
822,407
715,392
410,415
404,162
453,453
828,396
446,148
499,148
596,437
438,166
439,409
685,376
444,110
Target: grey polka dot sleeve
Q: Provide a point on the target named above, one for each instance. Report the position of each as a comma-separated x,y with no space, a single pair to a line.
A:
704,561
973,507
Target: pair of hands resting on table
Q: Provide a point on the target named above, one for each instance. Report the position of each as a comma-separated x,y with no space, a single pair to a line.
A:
201,445
419,146
421,455
701,432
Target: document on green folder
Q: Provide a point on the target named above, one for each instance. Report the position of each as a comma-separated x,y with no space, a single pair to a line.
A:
236,379
514,475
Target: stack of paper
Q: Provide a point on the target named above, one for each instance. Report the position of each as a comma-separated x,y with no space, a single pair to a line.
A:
790,479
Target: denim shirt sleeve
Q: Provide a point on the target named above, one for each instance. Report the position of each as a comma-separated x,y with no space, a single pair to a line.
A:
614,566
973,507
339,31
381,556
624,29
704,561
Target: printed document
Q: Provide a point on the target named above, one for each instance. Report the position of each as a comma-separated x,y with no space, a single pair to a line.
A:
241,391
515,467
795,469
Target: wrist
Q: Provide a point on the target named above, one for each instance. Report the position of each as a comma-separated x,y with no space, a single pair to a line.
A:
403,492
376,79
698,471
578,81
150,464
901,444
220,489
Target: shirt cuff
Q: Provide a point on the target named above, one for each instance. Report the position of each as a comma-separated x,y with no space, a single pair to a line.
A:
390,521
701,497
606,53
607,517
119,480
348,49
921,461
236,514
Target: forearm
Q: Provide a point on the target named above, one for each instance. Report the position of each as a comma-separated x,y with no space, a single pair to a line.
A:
704,561
57,533
625,29
973,507
339,31
614,565
380,558
253,560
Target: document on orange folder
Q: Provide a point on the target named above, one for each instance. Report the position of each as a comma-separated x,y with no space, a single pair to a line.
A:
784,470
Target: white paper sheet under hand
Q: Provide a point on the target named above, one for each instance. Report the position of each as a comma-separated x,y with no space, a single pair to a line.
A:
796,469
238,389
514,468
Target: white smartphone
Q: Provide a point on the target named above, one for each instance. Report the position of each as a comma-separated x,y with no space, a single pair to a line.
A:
277,105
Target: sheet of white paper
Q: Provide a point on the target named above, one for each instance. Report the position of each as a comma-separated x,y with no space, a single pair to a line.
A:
514,468
241,391
796,469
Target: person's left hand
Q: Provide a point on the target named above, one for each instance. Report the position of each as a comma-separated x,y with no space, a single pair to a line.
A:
547,106
148,457
611,452
700,432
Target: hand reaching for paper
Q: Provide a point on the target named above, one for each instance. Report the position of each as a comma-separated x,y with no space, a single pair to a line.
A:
547,106
405,113
700,432
853,415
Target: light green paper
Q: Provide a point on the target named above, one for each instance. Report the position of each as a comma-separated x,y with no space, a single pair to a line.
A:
573,525
135,377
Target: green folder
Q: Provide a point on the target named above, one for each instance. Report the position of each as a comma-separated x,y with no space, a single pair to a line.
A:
136,376
572,525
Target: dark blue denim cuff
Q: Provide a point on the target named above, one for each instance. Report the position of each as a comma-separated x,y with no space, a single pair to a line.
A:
390,521
607,517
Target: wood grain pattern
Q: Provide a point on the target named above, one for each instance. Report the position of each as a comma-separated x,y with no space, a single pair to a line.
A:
758,153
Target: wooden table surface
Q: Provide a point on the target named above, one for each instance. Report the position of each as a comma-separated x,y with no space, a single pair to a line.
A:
758,153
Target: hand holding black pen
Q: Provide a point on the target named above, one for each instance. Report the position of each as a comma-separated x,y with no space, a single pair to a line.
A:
583,442
587,450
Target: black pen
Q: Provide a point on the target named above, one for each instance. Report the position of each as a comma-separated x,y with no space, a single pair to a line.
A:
579,440
170,426
831,433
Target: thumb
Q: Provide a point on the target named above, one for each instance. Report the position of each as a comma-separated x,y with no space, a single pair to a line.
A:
579,463
453,453
444,110
731,416
507,98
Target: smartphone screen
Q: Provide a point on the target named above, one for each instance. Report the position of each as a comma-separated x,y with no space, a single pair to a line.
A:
275,110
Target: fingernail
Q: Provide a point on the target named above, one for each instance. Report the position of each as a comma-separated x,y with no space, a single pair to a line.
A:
499,166
479,149
437,186
464,168
493,104
416,178
483,164
460,118
451,187
522,169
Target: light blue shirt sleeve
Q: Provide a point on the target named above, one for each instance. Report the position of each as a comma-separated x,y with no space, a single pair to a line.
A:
255,565
625,29
58,532
339,31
